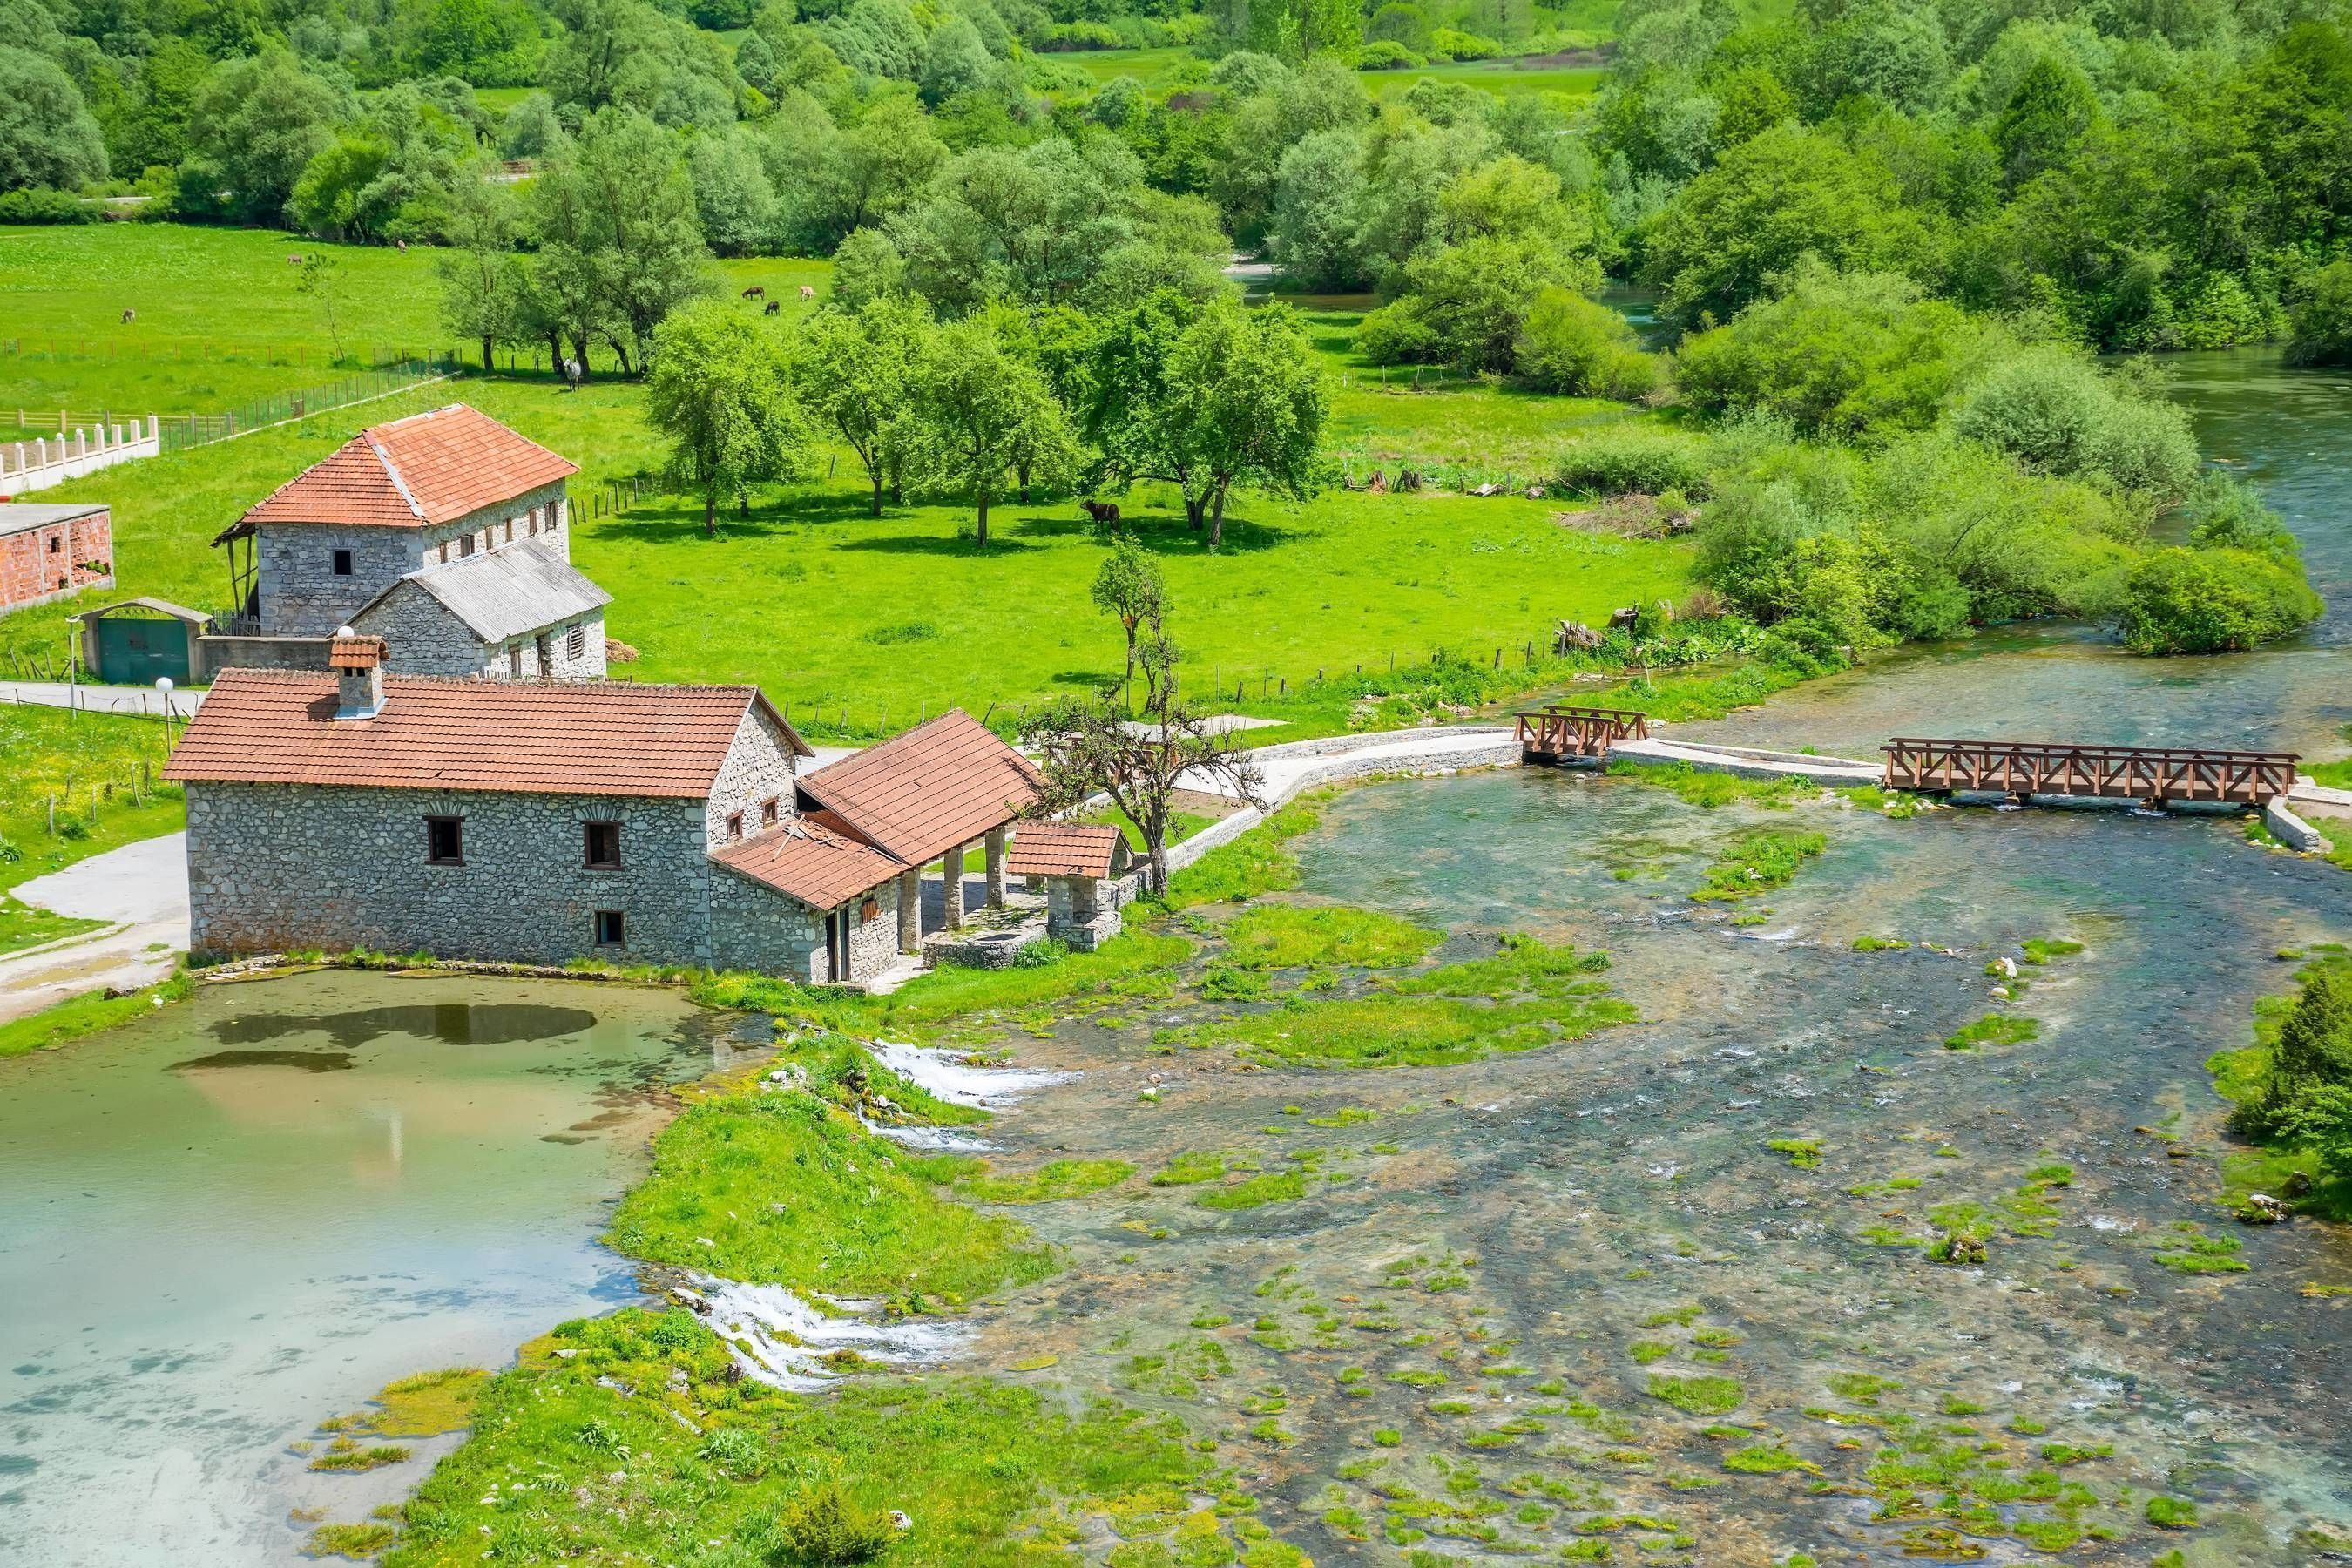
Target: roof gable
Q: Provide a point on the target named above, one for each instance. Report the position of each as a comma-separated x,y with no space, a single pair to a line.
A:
505,592
936,787
428,469
1064,850
811,861
266,726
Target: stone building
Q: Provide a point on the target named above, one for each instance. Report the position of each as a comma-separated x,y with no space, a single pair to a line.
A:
1083,867
49,551
428,496
662,824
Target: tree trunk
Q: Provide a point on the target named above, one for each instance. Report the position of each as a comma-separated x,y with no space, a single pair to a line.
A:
486,365
1021,472
555,353
1194,506
1159,875
580,352
877,492
1217,520
981,536
710,514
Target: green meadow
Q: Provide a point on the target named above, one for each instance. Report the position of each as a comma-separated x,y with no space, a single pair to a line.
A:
864,624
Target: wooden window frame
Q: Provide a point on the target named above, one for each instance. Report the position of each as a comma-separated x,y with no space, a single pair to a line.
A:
619,929
771,811
734,826
456,825
575,640
588,843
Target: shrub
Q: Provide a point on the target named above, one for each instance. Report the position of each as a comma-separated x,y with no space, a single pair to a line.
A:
2213,601
1398,334
1620,463
40,204
2055,414
1572,344
1463,46
1387,54
1465,303
824,1528
2321,320
1067,35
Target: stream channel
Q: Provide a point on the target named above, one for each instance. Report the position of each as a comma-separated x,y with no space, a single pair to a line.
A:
223,1223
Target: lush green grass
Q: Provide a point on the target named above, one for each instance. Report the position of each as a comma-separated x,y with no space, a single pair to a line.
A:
1993,1030
1153,67
675,1453
1273,1187
1256,862
1698,1395
2240,1076
102,772
1048,1183
86,1014
1757,862
1194,1166
778,1188
21,926
1284,936
1711,787
1503,78
1528,997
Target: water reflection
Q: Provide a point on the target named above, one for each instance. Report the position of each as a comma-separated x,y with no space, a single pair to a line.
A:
448,1022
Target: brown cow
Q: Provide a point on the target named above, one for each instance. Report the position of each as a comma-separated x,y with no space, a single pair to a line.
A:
773,306
755,292
1102,511
807,293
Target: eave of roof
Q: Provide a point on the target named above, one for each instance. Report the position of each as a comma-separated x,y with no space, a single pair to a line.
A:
931,790
811,863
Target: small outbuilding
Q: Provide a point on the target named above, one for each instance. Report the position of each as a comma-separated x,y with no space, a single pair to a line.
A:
520,613
139,641
1083,866
49,551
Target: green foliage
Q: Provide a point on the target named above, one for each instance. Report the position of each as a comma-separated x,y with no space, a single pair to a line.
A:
1757,862
983,417
822,1528
1254,863
48,138
2056,413
1631,461
1285,936
1465,305
1568,343
2214,600
718,391
2322,318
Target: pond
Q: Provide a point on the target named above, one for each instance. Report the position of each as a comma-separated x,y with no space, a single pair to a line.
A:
227,1222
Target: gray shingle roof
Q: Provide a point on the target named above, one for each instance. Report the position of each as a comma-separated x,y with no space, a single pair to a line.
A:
506,593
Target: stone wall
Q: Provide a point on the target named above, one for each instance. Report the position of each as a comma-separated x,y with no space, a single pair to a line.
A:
56,560
215,654
278,866
755,927
301,595
759,768
421,636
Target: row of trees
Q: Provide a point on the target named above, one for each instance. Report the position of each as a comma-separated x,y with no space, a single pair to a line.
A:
1203,395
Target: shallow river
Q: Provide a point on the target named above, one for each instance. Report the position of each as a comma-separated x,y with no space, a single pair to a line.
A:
223,1224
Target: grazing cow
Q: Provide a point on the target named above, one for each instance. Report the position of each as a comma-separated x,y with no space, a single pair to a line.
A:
572,371
807,293
773,306
293,261
401,245
755,292
1102,511
128,317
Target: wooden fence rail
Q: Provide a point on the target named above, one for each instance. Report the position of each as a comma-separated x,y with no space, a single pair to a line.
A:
2161,774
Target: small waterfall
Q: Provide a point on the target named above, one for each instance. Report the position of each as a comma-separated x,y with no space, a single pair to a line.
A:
782,1339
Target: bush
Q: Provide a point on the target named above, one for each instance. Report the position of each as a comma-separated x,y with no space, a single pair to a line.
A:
822,1528
1623,463
1572,344
1385,55
2213,601
1464,304
1462,46
1399,334
1069,36
40,205
2054,412
2321,320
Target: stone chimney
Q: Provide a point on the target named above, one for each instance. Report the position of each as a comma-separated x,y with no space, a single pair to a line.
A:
358,664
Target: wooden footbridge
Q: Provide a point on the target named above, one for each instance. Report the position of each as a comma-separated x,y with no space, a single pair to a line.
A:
2159,775
1554,735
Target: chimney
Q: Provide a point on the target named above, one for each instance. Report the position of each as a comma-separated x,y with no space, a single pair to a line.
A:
358,664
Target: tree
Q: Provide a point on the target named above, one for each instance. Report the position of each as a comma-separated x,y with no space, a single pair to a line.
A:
1579,346
2323,319
481,277
620,243
255,126
1248,404
1091,747
954,61
2214,600
855,371
982,413
47,135
321,278
1129,587
2049,112
718,391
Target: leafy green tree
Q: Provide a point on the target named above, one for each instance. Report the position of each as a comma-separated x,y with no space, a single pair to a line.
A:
1465,305
482,282
867,267
2323,319
1247,406
719,391
855,370
2051,112
1130,587
1572,344
254,127
881,38
490,43
2213,601
955,60
1318,197
48,137
1031,225
2056,413
983,413
1893,53
733,200
620,239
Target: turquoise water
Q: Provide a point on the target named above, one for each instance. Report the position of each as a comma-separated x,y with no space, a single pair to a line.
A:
223,1223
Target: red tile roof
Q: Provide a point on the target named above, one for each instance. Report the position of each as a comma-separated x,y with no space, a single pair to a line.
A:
429,467
273,726
1063,849
937,786
810,860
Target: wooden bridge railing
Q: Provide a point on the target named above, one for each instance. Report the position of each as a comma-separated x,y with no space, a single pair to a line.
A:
2127,773
1555,733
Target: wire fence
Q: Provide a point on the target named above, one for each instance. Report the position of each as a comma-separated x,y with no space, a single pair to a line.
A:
181,431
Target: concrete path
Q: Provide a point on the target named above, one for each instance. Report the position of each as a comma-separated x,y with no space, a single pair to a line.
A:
140,889
143,700
1751,762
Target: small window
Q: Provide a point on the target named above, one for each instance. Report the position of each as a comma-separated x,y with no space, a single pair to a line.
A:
56,544
575,642
342,563
603,845
735,825
514,661
444,840
465,545
768,809
608,928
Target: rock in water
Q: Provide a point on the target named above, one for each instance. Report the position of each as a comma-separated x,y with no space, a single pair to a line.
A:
2262,1209
1965,1250
2297,1185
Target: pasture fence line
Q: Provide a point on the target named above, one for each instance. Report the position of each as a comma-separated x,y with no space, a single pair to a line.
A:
182,431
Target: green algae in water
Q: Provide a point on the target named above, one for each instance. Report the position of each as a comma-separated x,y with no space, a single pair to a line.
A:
1048,1183
1704,1395
1273,1187
1758,862
1993,1030
1804,1153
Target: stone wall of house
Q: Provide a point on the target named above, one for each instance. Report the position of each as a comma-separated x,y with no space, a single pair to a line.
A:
421,636
874,939
302,595
273,867
759,768
755,927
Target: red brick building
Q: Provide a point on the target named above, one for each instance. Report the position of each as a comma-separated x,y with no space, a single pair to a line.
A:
49,551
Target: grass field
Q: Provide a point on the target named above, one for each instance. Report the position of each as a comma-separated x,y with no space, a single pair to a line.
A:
900,616
1153,68
1504,77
